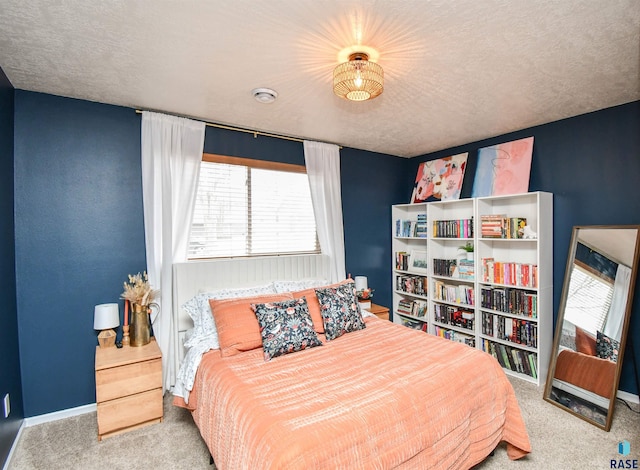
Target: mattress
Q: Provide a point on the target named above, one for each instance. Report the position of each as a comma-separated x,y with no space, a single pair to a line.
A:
378,398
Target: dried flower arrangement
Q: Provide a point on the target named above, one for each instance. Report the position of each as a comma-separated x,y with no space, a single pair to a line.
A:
138,290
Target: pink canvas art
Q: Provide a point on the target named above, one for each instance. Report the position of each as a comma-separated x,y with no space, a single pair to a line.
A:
503,169
440,179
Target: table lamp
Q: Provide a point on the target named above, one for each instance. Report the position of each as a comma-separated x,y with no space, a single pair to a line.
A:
105,318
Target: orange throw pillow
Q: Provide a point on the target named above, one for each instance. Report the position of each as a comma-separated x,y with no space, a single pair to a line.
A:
314,305
236,322
585,343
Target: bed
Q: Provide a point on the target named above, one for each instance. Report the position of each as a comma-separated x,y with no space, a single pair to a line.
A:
378,396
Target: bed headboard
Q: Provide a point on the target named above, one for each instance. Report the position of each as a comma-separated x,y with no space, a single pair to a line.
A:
193,277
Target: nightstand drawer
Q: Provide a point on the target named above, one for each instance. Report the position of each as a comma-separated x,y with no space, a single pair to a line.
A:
129,411
124,380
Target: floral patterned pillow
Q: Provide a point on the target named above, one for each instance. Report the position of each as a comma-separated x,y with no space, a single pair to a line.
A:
285,327
607,348
340,310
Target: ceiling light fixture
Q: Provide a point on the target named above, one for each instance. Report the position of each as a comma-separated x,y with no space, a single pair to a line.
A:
358,79
264,95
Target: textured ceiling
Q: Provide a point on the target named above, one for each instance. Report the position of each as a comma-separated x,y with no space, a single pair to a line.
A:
456,71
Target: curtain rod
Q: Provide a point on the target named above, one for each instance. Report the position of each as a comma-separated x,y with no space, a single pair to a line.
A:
247,131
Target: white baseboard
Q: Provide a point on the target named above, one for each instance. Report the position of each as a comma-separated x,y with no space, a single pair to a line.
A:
630,397
13,447
56,415
46,418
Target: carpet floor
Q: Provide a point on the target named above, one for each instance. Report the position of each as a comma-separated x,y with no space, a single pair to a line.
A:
559,440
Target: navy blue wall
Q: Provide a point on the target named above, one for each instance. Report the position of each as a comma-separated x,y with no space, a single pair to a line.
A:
371,183
9,353
591,163
79,232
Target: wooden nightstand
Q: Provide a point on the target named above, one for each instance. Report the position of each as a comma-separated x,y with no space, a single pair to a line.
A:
379,311
128,388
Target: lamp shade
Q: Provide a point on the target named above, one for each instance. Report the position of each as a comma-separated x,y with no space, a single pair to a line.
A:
106,316
361,283
358,79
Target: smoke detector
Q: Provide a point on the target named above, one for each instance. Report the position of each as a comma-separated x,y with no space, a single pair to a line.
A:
264,95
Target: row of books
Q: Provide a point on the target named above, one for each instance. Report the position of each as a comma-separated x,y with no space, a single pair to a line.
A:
509,300
514,359
453,316
444,267
402,260
412,228
510,329
460,294
416,308
511,274
414,324
501,226
459,228
466,269
455,336
412,284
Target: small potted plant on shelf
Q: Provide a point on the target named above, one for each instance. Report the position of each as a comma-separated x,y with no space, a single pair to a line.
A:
468,249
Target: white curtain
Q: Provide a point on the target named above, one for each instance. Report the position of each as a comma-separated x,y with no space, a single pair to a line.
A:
615,318
171,155
323,169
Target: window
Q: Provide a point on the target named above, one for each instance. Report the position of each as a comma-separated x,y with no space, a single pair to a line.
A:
251,208
589,298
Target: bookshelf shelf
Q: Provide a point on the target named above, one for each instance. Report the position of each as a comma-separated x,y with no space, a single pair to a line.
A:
509,343
454,279
454,327
508,280
411,294
453,303
412,317
509,314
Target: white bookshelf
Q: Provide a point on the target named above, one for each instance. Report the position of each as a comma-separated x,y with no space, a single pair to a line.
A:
456,307
452,294
410,283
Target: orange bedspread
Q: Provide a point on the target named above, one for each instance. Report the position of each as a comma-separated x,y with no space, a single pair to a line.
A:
383,397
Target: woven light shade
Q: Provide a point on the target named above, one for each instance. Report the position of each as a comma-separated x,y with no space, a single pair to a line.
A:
358,79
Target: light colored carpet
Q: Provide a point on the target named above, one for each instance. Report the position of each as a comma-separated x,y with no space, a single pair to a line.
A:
559,440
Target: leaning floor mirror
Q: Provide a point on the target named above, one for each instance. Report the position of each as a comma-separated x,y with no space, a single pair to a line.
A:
592,323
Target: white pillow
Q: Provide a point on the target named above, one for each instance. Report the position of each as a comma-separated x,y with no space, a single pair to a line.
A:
298,285
200,312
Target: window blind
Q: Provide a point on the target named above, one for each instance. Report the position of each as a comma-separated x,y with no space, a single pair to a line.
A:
245,211
588,300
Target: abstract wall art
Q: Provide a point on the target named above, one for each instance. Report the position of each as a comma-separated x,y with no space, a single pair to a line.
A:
439,179
503,169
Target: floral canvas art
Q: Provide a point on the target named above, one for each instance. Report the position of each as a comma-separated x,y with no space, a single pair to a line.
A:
440,179
503,169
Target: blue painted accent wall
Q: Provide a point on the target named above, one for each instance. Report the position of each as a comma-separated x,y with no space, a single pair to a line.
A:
79,232
371,183
591,163
9,353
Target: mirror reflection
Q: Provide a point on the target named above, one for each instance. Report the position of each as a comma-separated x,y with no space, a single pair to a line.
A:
592,321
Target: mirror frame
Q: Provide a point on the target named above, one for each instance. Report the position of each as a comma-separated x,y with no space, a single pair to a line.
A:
560,319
